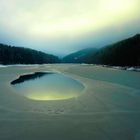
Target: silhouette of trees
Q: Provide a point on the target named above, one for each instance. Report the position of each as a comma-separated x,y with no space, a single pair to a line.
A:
20,55
123,53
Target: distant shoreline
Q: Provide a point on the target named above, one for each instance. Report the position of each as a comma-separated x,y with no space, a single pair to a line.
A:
127,68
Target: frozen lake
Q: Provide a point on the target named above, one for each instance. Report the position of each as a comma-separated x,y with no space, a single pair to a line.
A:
47,86
107,107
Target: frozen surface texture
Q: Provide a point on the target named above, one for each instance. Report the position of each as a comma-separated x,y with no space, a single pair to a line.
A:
108,109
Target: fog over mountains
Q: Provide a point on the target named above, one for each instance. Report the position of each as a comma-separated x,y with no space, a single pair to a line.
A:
123,53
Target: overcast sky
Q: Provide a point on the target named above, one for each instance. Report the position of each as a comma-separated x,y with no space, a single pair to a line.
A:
63,26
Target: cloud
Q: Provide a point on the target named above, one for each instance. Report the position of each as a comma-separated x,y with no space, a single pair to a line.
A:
59,24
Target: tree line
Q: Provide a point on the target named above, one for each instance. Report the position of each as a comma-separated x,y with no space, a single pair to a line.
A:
21,55
123,53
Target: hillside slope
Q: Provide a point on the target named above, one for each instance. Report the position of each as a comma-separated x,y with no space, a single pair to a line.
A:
79,56
19,55
123,53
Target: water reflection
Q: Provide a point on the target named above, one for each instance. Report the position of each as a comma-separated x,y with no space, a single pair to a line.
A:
47,86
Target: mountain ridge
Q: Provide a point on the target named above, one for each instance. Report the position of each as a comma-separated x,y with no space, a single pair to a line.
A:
122,53
20,55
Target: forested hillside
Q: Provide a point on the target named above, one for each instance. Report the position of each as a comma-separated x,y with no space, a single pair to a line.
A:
20,55
79,56
123,53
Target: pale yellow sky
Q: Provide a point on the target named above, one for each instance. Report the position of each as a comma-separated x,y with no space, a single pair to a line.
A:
63,19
